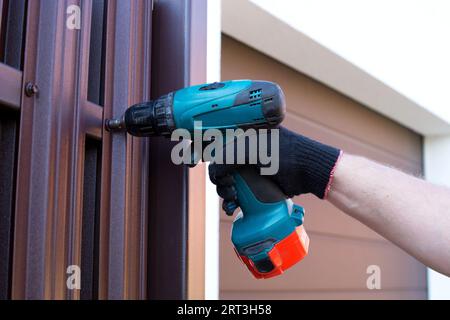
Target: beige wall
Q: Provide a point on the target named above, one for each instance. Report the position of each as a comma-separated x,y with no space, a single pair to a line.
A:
341,248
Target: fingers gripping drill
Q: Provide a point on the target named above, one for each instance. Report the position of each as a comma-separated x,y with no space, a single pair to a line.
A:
268,234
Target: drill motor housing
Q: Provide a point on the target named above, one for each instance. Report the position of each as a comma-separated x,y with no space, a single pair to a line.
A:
219,105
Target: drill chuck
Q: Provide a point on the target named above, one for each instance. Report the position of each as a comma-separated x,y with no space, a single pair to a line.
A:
153,118
115,125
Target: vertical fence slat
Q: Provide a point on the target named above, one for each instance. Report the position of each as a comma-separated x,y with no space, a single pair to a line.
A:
167,244
43,197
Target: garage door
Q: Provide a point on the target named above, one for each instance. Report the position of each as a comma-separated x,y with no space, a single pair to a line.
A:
341,249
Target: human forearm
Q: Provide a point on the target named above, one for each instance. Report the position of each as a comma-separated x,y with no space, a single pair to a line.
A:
410,212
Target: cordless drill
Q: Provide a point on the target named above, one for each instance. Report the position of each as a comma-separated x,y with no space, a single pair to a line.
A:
268,234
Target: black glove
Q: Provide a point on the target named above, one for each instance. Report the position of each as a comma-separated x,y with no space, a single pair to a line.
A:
305,166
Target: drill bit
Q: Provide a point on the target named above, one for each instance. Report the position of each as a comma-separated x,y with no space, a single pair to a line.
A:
115,125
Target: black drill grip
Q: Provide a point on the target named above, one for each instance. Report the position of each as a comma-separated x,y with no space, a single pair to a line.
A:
263,188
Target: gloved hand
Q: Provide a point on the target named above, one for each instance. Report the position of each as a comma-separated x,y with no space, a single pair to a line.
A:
305,166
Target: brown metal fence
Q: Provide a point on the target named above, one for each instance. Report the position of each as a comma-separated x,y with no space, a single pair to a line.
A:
71,193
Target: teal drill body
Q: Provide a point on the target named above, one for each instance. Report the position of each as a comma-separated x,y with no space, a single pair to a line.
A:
212,107
267,233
